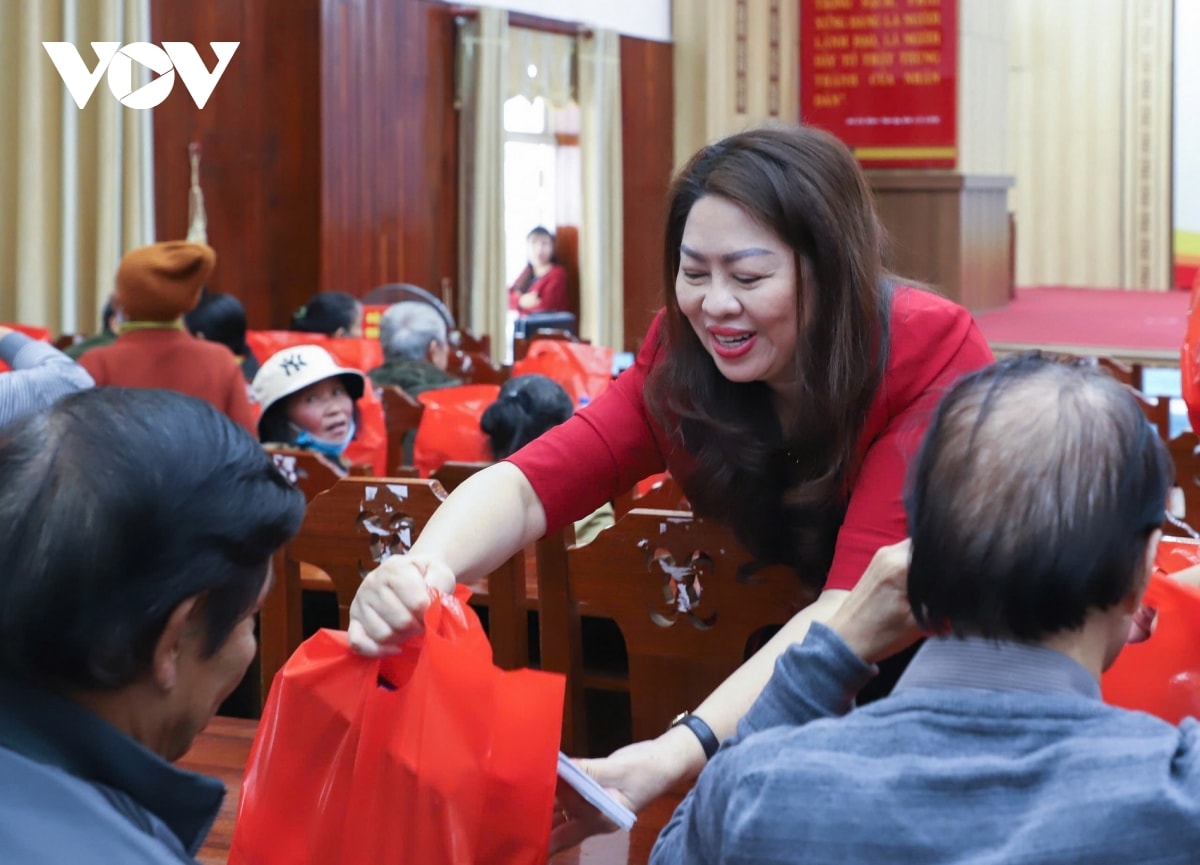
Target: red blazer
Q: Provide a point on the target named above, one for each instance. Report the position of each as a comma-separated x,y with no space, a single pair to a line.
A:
607,447
551,289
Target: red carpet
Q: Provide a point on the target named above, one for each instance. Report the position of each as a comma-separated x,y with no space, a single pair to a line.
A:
1127,322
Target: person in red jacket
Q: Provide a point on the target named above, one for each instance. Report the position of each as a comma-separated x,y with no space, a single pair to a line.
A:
785,385
156,286
542,285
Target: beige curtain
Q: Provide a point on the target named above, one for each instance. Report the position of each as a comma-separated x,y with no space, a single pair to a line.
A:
1089,141
552,55
601,238
482,64
76,185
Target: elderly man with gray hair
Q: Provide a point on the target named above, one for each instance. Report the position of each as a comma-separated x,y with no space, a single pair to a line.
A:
416,348
1034,507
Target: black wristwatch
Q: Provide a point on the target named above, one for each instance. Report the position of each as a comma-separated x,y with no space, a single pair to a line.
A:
708,739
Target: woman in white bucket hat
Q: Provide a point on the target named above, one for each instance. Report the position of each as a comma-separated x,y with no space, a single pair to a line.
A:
307,400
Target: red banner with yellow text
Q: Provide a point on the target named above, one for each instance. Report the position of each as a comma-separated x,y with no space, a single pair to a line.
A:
882,76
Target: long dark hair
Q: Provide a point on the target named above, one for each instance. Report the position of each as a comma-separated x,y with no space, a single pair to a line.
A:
327,312
528,277
784,499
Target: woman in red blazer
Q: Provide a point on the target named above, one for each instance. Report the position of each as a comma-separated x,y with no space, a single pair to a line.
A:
542,285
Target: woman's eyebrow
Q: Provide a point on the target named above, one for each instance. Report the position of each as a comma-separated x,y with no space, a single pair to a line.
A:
727,258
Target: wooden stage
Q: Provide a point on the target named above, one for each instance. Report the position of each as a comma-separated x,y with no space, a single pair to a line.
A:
222,749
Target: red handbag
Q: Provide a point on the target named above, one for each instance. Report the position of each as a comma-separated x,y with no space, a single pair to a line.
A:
431,755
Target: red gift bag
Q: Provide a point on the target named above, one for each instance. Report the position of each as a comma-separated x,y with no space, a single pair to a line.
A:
1162,674
583,370
433,755
449,429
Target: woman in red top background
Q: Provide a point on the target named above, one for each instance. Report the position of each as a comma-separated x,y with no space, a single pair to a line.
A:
786,384
542,285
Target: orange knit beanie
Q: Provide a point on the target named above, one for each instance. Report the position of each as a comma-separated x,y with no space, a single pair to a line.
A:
163,281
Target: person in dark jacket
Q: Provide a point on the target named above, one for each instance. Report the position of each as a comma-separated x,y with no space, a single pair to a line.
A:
416,349
136,531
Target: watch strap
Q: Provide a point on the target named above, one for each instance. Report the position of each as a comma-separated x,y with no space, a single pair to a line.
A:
708,739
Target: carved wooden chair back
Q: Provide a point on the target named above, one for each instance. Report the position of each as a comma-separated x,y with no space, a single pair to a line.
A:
686,597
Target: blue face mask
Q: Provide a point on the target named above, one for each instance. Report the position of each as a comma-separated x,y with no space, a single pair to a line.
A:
305,439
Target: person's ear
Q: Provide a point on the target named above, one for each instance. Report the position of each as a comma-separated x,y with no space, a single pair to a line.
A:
1150,554
168,649
1134,599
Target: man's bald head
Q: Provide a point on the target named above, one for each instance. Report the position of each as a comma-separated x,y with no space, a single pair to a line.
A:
1030,504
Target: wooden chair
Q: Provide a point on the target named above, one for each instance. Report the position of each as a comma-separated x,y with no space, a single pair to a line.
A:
476,367
686,597
312,474
666,495
1157,410
401,414
451,474
1130,374
359,522
1184,454
521,343
465,340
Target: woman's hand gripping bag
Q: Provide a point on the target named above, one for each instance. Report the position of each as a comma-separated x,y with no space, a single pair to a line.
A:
1161,675
432,755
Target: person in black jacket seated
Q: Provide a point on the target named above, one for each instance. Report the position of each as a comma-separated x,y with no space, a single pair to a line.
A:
136,530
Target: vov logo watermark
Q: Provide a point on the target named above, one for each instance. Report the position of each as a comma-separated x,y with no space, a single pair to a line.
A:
172,57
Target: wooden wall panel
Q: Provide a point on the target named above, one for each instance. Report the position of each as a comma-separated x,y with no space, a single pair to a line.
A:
260,148
389,175
647,128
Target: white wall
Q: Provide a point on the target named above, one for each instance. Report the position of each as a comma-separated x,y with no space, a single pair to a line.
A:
645,19
1187,116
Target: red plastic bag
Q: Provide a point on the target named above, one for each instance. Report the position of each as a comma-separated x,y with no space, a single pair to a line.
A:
457,764
582,369
1189,357
355,352
1162,674
449,428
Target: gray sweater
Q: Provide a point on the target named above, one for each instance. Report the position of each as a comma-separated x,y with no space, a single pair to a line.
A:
986,753
40,375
